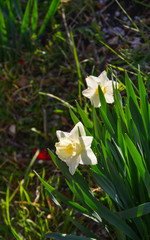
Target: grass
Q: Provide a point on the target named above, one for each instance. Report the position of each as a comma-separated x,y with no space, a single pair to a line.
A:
54,64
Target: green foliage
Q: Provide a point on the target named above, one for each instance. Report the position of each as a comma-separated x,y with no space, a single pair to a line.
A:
50,63
20,25
121,143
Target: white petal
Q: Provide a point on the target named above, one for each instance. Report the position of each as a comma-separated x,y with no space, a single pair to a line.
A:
61,134
109,98
95,101
73,164
109,88
88,157
103,78
86,141
88,92
74,134
92,81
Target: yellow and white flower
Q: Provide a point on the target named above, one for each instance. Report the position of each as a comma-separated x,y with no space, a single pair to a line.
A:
106,86
74,148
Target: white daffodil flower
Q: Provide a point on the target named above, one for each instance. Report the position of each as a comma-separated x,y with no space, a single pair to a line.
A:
106,86
74,148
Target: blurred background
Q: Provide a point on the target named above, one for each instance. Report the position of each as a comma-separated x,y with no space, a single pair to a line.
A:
47,49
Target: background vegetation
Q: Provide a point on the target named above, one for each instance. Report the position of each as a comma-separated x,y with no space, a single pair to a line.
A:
50,47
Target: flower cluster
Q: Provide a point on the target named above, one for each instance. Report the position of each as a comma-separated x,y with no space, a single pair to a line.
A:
74,148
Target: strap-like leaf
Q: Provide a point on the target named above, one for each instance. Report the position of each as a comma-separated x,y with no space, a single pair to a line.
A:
135,212
144,103
51,11
84,117
34,18
76,223
25,21
3,30
92,202
139,162
130,90
59,236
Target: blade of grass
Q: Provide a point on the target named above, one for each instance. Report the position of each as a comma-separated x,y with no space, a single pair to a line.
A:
15,234
121,57
78,67
142,3
30,165
136,27
59,99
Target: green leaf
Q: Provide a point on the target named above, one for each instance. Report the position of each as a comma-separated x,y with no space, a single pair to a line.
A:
142,131
76,223
130,90
80,82
91,214
139,162
3,29
119,106
119,159
107,214
34,18
51,11
30,165
26,17
59,236
106,185
91,201
84,117
77,177
62,197
17,4
107,122
145,109
136,115
16,235
73,116
11,15
97,125
136,212
102,99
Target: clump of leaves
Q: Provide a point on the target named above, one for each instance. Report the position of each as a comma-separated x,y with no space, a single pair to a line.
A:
121,143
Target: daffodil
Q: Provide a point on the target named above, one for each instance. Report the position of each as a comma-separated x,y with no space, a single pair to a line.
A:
106,86
74,148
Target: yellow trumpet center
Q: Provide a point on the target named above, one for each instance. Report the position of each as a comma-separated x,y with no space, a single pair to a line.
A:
67,148
103,90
